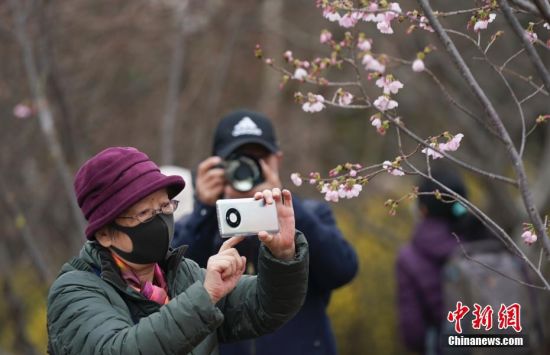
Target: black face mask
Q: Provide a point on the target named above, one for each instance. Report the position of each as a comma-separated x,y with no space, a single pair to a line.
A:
150,240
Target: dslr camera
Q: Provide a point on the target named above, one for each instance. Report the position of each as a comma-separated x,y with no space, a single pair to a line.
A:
242,171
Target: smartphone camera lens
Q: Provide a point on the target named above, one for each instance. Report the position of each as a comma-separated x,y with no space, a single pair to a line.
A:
233,217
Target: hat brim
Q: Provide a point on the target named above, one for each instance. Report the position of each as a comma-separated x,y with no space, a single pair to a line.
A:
230,148
173,185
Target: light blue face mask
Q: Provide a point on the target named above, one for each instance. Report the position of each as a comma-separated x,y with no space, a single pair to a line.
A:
458,209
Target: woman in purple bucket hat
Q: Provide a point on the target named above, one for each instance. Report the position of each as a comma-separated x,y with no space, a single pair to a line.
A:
128,293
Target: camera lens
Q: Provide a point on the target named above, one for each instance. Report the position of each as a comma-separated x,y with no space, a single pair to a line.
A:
243,172
233,217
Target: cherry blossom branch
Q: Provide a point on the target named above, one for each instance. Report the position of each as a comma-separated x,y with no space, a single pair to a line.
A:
319,81
356,107
493,117
359,77
531,51
460,12
459,162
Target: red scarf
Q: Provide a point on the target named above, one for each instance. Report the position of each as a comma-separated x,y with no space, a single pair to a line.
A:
156,291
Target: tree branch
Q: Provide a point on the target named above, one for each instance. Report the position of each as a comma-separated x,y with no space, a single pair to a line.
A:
45,116
531,51
527,6
544,9
174,87
494,119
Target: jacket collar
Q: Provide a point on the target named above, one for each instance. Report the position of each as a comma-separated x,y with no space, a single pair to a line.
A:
95,258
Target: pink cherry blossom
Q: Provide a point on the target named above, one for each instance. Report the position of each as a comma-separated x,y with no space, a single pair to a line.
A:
288,56
384,19
325,37
22,111
424,24
418,65
364,44
453,144
482,24
431,152
350,19
531,36
345,99
371,12
384,26
330,194
383,103
388,166
353,173
529,237
331,14
394,6
373,64
376,122
344,191
296,179
315,103
300,74
389,85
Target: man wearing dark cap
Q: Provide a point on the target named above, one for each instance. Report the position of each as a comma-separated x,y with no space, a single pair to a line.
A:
246,159
128,293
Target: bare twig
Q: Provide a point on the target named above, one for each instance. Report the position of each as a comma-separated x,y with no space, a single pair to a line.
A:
518,104
511,58
467,256
533,94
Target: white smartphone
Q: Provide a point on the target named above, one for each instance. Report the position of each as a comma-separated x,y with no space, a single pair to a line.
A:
246,216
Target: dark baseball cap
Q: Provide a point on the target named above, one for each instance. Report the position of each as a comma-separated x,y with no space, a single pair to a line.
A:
243,127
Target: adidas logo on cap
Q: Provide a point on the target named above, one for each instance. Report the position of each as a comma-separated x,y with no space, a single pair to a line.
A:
246,126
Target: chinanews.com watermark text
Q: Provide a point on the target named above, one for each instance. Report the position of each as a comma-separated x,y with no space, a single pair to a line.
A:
482,340
508,317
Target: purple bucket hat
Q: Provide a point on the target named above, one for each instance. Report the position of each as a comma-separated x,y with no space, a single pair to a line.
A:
113,180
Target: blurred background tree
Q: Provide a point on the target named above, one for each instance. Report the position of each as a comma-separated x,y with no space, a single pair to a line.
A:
78,76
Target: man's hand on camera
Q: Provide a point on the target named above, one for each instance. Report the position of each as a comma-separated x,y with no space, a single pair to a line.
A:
280,244
210,181
224,270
